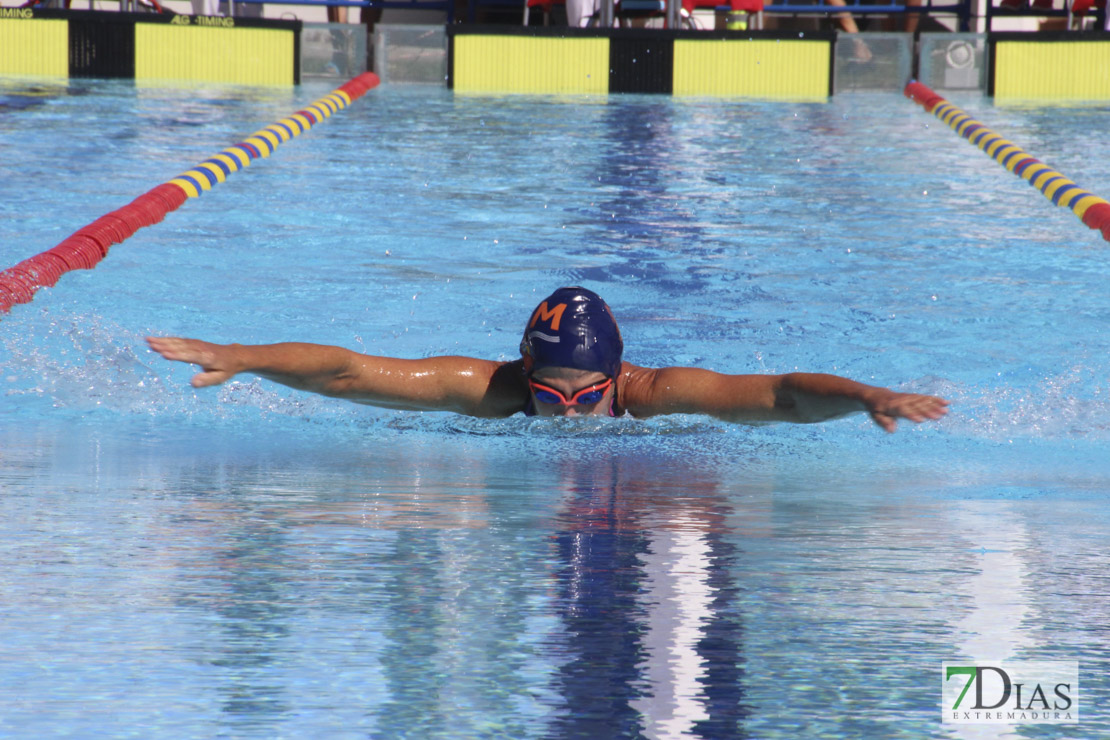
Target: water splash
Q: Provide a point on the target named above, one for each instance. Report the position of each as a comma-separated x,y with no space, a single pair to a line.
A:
1071,405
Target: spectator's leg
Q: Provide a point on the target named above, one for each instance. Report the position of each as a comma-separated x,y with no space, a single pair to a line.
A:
579,12
845,20
913,19
848,24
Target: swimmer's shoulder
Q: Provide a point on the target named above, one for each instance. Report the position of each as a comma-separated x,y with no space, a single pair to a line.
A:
507,391
635,389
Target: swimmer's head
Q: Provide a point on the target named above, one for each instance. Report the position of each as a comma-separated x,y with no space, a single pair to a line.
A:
573,328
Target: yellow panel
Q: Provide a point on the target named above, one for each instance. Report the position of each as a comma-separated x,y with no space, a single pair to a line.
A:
32,48
756,68
528,64
1056,70
239,56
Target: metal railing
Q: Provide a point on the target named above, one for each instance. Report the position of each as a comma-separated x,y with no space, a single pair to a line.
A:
962,9
447,6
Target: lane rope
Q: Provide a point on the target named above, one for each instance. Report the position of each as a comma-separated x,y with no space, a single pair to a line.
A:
1091,209
87,246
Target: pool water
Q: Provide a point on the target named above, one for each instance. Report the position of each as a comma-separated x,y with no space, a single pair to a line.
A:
250,561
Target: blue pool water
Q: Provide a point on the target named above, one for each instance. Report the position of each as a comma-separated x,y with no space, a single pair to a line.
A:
249,561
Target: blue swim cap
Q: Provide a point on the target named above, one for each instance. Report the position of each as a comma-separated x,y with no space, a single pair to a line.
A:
573,327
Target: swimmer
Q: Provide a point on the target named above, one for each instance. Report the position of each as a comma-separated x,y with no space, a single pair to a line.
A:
570,365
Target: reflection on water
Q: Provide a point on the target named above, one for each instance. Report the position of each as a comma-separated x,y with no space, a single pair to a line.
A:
995,627
652,632
1018,604
434,585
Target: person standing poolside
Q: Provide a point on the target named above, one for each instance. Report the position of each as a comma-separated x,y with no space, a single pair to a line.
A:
571,365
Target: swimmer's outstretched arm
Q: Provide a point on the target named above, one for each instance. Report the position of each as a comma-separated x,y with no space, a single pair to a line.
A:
795,397
460,384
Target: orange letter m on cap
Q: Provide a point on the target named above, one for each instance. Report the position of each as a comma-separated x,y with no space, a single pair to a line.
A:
554,315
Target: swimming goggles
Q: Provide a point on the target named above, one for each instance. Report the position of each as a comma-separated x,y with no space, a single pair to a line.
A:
585,397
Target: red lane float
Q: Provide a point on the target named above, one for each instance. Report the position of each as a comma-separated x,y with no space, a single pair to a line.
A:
83,249
1091,210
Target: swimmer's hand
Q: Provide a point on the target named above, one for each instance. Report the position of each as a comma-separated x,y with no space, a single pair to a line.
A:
887,406
216,360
